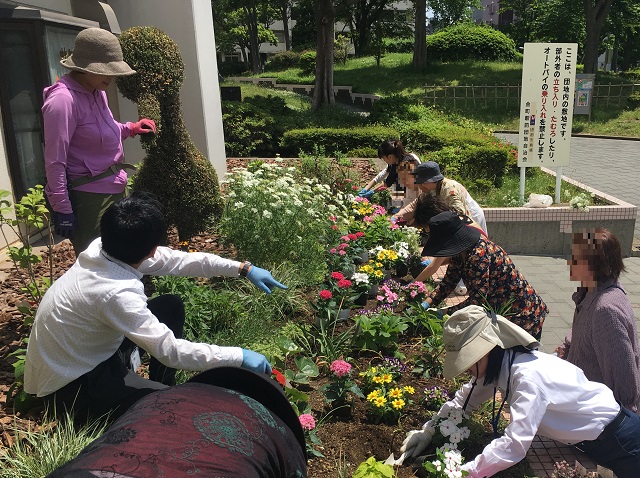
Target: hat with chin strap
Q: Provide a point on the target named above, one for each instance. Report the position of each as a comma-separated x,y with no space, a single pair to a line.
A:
471,333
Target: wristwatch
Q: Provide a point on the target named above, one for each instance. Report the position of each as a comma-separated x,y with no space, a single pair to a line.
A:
244,270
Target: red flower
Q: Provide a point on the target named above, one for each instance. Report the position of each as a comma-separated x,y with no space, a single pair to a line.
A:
279,377
359,234
344,283
334,227
353,237
326,294
337,275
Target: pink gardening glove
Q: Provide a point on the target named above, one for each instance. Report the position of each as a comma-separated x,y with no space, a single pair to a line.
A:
143,126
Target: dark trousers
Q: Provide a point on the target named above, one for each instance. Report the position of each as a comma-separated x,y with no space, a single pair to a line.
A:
112,387
620,449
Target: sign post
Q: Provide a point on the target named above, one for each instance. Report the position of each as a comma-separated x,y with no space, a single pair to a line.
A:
546,108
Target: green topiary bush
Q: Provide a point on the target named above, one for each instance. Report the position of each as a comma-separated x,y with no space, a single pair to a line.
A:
633,101
249,130
480,166
307,62
282,61
468,41
273,105
174,170
334,139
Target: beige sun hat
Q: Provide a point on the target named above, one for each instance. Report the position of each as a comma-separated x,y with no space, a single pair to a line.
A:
471,333
97,51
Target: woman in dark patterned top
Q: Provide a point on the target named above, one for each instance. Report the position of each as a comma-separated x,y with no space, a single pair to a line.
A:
487,271
603,340
225,422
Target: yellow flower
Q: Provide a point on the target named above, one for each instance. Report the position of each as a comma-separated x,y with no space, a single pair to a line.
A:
395,393
373,395
380,402
373,370
378,379
387,378
409,389
378,273
398,404
379,265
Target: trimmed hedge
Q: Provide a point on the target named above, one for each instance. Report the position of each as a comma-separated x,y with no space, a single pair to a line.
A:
307,62
248,129
334,139
282,61
472,164
468,41
633,101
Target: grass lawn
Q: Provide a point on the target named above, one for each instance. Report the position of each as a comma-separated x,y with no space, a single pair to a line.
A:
395,75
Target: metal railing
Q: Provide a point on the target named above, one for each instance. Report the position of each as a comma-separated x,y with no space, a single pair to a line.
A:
508,96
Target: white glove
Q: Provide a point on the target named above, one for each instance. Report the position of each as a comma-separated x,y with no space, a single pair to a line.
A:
417,440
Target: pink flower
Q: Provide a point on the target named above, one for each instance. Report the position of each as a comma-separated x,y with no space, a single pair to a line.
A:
413,294
340,368
359,234
333,218
333,250
345,238
342,253
337,275
367,219
334,227
343,246
307,421
344,283
325,294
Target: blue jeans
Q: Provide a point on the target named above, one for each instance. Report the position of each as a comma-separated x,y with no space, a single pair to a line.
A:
620,451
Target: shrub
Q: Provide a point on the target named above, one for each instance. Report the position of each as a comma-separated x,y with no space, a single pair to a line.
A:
174,170
633,101
468,41
248,130
273,105
398,45
231,68
307,62
387,110
363,152
272,216
282,61
334,139
475,164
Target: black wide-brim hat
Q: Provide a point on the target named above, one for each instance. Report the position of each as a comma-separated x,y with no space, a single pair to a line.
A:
449,234
428,172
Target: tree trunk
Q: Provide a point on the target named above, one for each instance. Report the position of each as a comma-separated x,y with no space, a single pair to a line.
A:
420,38
285,24
254,46
595,12
325,18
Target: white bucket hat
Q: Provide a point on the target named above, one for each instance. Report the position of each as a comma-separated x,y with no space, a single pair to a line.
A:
471,333
97,51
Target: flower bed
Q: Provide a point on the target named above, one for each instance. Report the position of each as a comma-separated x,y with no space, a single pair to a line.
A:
547,231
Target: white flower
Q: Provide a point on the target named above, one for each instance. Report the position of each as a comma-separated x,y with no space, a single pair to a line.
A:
267,214
446,427
239,205
254,210
360,278
437,464
456,415
455,436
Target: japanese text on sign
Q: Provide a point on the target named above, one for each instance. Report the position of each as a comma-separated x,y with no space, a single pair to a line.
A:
548,77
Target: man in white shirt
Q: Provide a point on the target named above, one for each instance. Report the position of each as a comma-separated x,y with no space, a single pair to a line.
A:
546,395
83,348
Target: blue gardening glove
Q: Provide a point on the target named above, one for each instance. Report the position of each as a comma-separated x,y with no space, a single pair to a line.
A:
426,262
255,362
65,224
263,279
366,193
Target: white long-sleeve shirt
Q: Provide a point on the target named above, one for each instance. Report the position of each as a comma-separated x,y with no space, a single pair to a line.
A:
86,314
548,396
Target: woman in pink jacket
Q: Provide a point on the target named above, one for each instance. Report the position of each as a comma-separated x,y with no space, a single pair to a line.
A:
83,142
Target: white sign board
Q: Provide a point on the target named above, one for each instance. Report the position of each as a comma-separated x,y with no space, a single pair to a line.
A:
546,106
